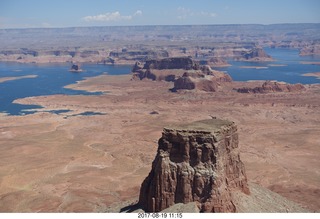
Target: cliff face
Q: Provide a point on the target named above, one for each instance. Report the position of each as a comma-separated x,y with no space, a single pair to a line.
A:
183,71
172,63
196,162
164,69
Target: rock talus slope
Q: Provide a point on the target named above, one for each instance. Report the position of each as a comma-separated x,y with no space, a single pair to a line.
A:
197,162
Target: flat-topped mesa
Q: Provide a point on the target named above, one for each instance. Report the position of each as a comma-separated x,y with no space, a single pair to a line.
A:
166,69
186,74
198,162
186,63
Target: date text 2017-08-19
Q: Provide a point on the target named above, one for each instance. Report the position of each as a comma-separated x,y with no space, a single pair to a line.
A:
160,215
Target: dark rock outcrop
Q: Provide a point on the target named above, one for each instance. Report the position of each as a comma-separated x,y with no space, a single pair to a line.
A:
198,162
75,68
141,54
273,86
185,63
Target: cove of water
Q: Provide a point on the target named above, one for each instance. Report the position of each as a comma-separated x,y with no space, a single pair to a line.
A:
50,80
287,67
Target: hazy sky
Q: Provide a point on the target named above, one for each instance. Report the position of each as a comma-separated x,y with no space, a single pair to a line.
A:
69,13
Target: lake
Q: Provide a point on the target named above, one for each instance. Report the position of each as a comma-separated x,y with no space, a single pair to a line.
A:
50,79
287,67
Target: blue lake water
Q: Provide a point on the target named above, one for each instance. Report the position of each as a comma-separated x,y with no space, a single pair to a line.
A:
51,79
291,72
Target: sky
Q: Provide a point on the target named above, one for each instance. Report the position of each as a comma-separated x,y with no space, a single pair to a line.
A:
75,13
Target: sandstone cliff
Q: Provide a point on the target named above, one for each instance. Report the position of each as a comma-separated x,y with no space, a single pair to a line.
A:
198,162
183,71
273,86
164,69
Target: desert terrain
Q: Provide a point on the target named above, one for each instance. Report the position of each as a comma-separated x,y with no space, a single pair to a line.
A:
72,163
94,153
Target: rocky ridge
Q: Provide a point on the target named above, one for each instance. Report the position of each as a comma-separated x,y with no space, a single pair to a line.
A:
272,87
198,162
216,62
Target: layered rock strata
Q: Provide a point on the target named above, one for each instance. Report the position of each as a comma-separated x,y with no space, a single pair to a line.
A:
183,71
198,162
166,69
205,80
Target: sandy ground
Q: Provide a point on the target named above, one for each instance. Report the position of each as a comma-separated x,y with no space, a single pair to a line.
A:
4,79
74,163
315,74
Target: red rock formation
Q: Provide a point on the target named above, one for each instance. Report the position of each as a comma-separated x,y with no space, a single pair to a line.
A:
183,71
196,162
196,81
167,69
186,63
205,80
273,86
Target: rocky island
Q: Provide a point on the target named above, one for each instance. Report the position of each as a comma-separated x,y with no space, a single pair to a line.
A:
75,68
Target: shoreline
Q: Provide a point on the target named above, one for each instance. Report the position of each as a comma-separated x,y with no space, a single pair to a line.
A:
254,67
314,74
4,79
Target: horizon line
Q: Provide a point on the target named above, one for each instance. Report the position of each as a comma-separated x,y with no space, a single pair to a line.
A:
150,25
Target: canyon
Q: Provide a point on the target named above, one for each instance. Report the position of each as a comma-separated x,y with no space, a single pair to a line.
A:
126,45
